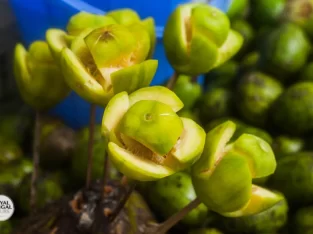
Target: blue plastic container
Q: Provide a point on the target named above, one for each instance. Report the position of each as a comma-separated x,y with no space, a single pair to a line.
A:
34,17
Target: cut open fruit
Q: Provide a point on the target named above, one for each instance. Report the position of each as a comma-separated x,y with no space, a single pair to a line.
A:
157,93
214,149
189,147
261,200
78,78
135,167
57,39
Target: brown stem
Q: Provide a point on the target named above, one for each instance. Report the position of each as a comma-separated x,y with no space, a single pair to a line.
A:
36,159
106,169
90,144
172,81
173,220
124,200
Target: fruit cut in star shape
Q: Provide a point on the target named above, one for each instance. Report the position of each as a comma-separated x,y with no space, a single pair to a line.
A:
147,139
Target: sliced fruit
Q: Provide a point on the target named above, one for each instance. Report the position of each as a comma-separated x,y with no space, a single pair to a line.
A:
214,148
81,81
57,39
153,124
157,93
141,76
230,47
124,16
189,147
261,200
149,25
83,20
229,187
136,167
258,153
114,111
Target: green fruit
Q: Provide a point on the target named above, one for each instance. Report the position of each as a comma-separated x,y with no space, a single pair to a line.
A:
48,190
292,111
214,123
6,227
12,176
246,30
283,145
190,114
82,20
307,72
253,131
267,12
250,61
169,195
146,139
237,8
39,79
267,221
188,91
222,176
222,76
293,177
302,222
124,16
285,51
147,121
80,159
57,40
57,145
197,38
215,103
300,13
255,94
10,152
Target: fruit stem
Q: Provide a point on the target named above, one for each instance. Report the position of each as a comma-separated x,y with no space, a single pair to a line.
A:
106,168
36,159
90,144
174,219
123,201
172,81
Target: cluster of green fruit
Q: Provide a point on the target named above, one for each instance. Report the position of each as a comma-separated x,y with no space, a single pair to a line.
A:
267,90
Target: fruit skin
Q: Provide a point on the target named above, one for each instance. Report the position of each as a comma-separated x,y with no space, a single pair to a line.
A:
223,76
284,145
169,195
255,94
307,73
222,176
10,153
39,79
237,9
241,128
12,176
285,51
267,221
267,12
293,177
292,112
197,38
215,103
302,221
190,114
249,62
48,190
246,30
188,92
79,159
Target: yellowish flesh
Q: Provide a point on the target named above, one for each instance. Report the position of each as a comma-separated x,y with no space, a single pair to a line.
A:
261,200
191,143
135,167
